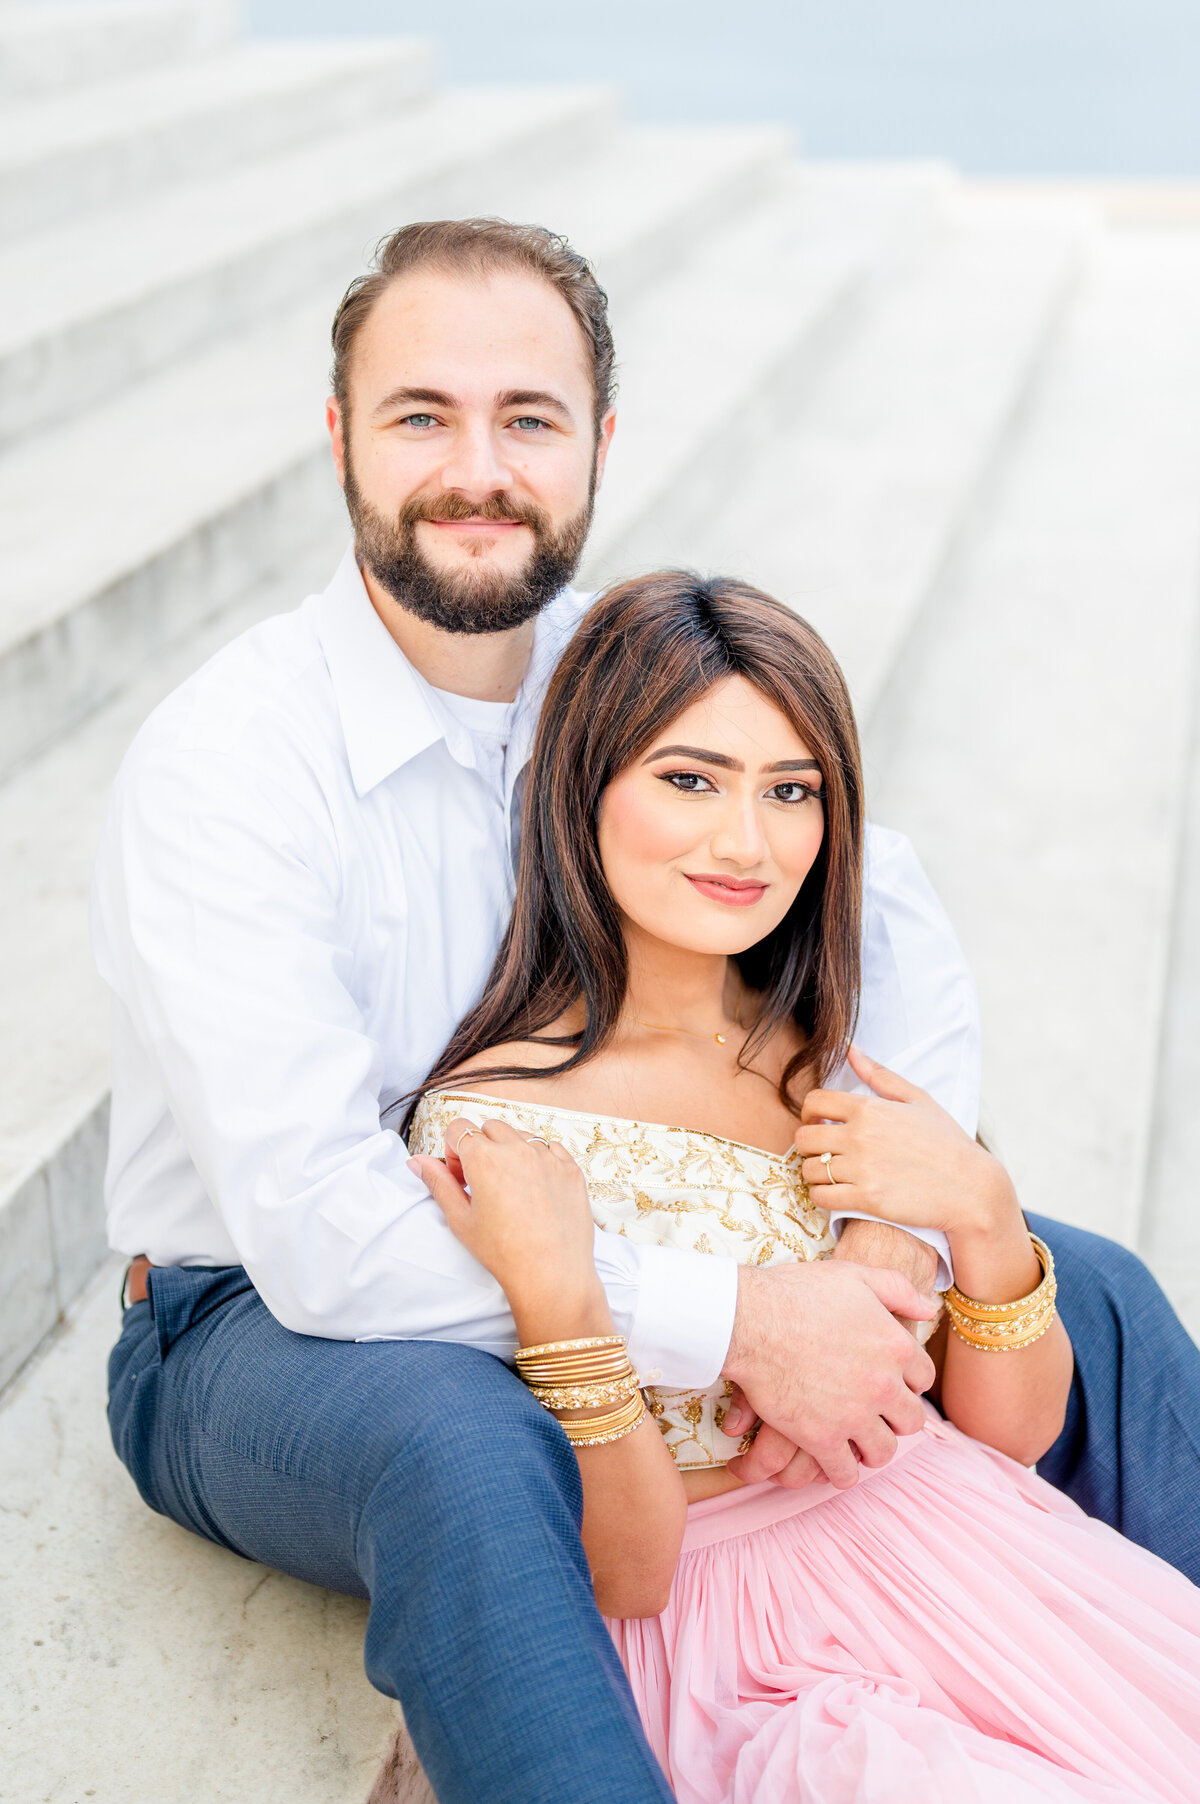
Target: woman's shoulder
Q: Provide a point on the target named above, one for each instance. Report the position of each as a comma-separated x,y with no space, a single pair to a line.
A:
470,1091
532,1056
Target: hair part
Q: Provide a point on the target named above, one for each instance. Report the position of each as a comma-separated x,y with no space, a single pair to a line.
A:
646,651
478,247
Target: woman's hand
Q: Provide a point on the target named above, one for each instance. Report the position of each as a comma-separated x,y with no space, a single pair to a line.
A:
527,1219
897,1155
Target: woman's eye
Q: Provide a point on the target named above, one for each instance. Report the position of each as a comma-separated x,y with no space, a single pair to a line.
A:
691,782
792,793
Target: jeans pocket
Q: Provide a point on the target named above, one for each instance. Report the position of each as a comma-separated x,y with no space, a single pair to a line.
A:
181,1296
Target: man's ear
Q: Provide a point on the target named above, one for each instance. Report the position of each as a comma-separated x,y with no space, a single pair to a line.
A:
333,420
607,427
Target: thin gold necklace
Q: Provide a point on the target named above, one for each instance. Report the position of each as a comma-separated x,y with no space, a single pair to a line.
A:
658,1028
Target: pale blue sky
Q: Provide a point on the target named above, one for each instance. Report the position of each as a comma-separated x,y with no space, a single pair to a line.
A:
1053,86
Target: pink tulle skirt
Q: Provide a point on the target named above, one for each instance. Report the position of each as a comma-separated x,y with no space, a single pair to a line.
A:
952,1631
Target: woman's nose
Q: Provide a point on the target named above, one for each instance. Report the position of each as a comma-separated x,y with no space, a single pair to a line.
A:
739,838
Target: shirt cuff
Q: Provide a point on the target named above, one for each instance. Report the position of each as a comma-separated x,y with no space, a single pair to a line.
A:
683,1317
933,1237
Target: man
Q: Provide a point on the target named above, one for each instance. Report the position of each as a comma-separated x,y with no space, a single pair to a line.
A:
303,877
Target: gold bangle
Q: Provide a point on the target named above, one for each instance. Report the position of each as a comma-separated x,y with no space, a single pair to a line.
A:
1009,1343
596,1371
599,1359
1007,1327
991,1312
606,1366
586,1396
570,1346
598,1431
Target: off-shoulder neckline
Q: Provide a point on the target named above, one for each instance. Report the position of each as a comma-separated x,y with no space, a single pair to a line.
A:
626,1121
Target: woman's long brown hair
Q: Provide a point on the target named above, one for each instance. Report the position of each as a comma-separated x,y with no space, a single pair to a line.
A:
647,650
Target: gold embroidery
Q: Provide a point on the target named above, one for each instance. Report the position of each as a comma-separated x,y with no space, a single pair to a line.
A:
655,1185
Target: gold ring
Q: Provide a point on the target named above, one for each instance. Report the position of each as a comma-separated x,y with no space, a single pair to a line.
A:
826,1160
467,1136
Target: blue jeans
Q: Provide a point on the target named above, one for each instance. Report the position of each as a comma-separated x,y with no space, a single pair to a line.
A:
420,1475
1130,1450
423,1476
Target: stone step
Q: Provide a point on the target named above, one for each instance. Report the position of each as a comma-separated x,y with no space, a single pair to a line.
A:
48,49
89,308
1032,739
713,359
52,1112
177,505
69,155
1170,1235
141,1662
856,505
54,1100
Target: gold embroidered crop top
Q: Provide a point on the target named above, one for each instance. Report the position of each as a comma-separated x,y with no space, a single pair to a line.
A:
665,1186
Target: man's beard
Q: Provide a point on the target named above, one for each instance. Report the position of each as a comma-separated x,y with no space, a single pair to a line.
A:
486,601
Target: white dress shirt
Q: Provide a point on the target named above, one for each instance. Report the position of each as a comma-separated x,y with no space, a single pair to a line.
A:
303,876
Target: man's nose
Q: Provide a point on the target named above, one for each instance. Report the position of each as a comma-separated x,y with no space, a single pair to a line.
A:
476,466
739,838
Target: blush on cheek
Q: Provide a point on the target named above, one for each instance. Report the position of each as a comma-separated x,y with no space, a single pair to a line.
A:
639,836
801,855
633,819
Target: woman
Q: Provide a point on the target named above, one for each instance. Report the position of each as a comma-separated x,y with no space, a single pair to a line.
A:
676,986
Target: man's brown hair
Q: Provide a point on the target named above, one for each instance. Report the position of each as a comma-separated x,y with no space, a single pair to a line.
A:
477,247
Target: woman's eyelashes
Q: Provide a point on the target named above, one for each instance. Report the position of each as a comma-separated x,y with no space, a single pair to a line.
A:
688,782
799,792
790,794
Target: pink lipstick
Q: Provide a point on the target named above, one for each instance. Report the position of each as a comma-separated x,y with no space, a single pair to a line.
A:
734,892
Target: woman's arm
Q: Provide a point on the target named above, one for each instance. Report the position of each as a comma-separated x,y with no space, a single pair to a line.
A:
527,1219
1014,1401
903,1158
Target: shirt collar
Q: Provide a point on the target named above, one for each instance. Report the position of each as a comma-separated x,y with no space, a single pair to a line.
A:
389,713
383,705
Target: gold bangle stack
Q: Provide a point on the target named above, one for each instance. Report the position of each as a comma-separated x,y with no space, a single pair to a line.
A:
1007,1327
586,1374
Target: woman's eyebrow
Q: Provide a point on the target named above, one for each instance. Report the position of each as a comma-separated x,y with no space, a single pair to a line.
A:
695,751
725,763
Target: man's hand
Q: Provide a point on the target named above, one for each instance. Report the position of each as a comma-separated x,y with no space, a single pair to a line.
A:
881,1246
817,1354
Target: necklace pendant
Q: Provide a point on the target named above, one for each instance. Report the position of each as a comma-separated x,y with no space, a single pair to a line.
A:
720,1039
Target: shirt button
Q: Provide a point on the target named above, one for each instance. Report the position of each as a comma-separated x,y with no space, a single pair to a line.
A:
653,1375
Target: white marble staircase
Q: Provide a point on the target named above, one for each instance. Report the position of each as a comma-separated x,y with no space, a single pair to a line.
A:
959,430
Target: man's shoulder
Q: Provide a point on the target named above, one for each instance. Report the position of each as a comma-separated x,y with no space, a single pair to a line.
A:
264,692
888,858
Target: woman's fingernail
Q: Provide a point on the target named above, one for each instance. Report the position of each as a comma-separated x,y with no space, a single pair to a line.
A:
733,1421
414,1167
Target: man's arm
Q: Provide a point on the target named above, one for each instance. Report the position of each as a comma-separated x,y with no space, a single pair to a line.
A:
217,924
919,1003
882,1246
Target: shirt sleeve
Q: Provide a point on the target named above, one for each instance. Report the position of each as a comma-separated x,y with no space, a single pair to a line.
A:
217,925
919,1013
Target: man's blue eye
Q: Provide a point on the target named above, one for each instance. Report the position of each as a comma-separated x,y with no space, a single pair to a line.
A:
418,419
527,420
